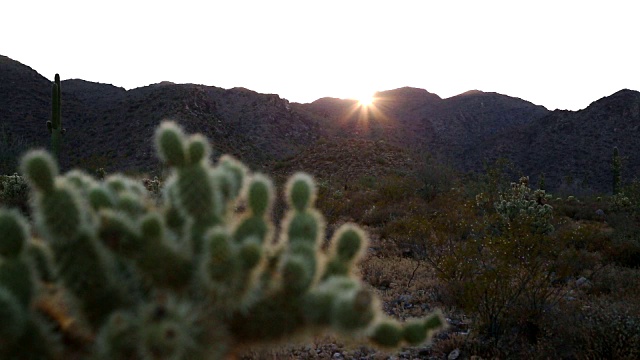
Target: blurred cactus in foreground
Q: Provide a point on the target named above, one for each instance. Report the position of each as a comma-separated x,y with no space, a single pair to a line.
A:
104,271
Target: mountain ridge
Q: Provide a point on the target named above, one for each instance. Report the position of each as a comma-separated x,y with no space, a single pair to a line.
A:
111,127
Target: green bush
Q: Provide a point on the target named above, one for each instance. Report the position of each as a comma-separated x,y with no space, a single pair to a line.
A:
188,278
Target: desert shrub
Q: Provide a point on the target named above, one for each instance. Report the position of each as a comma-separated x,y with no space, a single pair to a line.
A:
615,280
449,228
411,228
366,182
189,278
584,235
434,177
395,188
11,147
572,263
620,203
600,328
500,265
506,280
407,287
337,203
624,248
14,192
622,282
582,210
383,212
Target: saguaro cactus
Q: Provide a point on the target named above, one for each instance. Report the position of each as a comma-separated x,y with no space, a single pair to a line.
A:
188,278
55,125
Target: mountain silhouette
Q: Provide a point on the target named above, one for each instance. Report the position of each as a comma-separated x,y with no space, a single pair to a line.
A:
111,127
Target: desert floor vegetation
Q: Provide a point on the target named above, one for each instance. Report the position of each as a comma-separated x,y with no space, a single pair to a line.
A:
518,272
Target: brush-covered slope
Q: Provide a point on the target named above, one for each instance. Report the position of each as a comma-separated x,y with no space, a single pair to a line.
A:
343,161
573,145
465,120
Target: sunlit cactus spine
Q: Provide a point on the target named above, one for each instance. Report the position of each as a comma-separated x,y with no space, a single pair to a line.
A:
187,277
55,125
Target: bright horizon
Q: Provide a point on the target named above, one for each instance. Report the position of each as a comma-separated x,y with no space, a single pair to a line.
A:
557,54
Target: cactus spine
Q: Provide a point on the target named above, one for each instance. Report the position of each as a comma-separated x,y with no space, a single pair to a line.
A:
186,278
55,125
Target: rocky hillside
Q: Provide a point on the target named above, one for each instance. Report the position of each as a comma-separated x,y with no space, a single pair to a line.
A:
462,121
344,161
113,128
573,148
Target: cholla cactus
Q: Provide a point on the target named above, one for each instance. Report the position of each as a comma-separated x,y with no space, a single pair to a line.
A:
184,279
621,202
521,203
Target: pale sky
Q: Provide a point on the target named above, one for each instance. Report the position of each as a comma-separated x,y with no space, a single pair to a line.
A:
559,54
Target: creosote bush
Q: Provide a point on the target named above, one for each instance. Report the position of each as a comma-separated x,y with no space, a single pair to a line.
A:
183,278
501,266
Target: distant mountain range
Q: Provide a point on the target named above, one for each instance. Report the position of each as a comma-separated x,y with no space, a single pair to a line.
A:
111,127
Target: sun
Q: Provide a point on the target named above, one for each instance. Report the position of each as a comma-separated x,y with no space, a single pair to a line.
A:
366,100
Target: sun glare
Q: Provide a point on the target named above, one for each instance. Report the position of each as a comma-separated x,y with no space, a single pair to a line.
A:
365,100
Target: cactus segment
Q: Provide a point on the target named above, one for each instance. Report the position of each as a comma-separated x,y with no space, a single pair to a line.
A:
349,243
40,170
13,315
14,234
301,191
170,144
260,195
198,149
387,334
